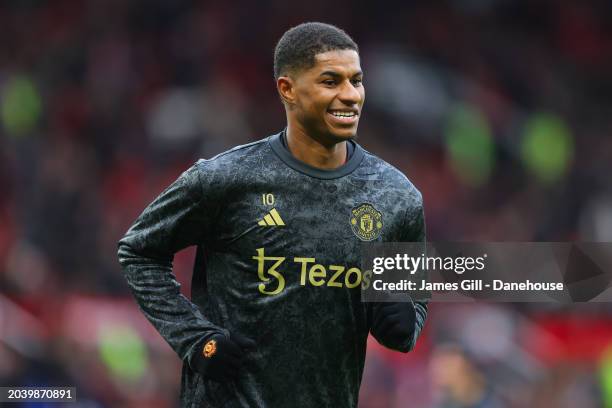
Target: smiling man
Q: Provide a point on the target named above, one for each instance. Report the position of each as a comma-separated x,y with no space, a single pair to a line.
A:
276,318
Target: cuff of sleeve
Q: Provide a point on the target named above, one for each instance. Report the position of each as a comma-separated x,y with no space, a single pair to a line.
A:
195,357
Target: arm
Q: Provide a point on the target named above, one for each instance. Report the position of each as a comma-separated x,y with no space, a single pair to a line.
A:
397,325
415,230
177,218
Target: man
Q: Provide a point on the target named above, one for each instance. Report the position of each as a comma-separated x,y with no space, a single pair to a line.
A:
275,318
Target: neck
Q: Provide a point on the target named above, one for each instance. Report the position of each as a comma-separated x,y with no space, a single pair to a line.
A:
312,151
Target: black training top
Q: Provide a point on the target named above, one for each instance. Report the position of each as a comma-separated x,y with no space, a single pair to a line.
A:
279,262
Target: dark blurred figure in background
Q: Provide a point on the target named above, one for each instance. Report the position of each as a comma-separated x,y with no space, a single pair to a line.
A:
457,382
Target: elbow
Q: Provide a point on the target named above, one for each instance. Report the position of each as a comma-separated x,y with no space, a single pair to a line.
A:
122,250
125,252
405,347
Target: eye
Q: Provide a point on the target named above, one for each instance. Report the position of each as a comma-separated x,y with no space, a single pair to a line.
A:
357,81
329,82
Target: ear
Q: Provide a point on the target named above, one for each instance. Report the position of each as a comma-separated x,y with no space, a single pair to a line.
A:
286,89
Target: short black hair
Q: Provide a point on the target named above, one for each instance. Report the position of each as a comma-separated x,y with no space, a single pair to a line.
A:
298,46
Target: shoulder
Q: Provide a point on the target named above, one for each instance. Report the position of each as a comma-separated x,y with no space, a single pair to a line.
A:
238,152
243,157
395,180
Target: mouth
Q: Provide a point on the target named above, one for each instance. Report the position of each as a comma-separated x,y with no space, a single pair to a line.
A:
344,116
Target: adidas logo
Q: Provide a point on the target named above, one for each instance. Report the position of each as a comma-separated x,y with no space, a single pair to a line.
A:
272,219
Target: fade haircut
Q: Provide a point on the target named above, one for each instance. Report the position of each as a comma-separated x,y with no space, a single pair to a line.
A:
297,48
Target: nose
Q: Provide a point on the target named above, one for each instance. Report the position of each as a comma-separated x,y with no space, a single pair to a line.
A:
349,94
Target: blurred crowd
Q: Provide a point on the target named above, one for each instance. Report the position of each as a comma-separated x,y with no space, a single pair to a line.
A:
498,111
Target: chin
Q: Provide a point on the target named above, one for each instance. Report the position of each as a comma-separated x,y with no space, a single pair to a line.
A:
342,133
331,134
348,134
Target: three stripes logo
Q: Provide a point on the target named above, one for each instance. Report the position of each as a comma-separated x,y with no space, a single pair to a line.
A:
272,219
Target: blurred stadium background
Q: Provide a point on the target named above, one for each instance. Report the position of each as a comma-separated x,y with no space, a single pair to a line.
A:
498,110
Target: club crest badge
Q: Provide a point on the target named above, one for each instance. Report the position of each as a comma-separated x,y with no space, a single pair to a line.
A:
210,348
366,222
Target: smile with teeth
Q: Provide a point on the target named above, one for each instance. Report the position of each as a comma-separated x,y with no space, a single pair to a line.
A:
343,114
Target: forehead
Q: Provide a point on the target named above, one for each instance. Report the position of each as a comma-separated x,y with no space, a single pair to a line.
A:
344,62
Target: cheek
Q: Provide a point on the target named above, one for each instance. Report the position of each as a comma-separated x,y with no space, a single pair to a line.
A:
314,104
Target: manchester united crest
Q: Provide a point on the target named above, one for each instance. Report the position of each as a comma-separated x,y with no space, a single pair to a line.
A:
210,348
366,222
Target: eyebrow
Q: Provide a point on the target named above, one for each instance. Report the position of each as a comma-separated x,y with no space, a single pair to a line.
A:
334,74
